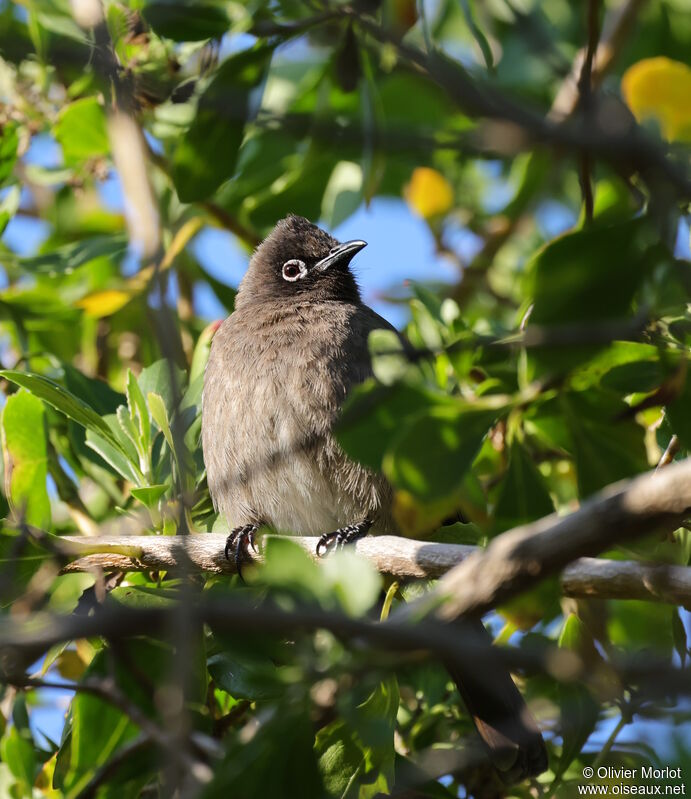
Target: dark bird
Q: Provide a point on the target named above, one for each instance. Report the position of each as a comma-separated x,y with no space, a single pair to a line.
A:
279,370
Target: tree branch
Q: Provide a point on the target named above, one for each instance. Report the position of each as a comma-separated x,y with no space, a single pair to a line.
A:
400,557
526,554
21,642
522,557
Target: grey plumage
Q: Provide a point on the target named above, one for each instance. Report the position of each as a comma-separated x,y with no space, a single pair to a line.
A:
279,370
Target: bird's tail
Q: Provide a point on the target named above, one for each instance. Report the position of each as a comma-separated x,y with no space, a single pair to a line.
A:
500,714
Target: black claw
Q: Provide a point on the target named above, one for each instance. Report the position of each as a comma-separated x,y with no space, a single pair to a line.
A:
324,541
238,542
343,536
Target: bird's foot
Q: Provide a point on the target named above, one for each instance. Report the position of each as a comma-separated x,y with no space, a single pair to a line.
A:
239,542
344,535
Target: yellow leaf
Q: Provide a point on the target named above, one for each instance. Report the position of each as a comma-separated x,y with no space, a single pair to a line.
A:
70,665
420,518
429,193
104,303
660,88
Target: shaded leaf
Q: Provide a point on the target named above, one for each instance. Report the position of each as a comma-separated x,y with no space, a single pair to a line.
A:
373,413
207,154
261,768
523,495
578,709
606,447
187,20
431,455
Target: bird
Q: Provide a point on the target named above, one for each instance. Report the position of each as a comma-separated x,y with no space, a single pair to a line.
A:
280,368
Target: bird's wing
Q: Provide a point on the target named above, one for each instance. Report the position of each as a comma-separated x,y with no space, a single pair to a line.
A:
365,322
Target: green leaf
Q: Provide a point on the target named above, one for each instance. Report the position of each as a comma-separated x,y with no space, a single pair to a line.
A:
374,413
432,453
65,259
81,130
20,558
246,675
17,750
343,193
278,761
287,565
25,445
678,414
139,412
149,495
352,580
187,20
96,393
9,206
579,711
207,154
9,141
640,364
114,456
160,416
166,380
356,753
62,400
99,728
523,495
590,274
586,276
606,447
389,359
635,624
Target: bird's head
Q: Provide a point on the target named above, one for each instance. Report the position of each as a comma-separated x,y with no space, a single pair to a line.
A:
299,260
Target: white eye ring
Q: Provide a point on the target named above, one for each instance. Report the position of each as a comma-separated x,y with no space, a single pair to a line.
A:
289,270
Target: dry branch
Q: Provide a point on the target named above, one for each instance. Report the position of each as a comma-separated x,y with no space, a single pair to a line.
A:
511,562
521,557
400,557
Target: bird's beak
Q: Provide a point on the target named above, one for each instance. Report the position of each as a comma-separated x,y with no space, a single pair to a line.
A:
343,254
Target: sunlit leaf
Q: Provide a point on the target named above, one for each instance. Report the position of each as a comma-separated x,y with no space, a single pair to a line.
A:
429,193
659,88
9,140
81,130
65,259
62,400
26,458
104,303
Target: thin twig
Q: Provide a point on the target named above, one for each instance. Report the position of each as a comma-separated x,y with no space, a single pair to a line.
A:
668,455
585,103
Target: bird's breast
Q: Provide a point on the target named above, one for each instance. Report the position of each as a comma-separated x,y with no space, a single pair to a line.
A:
271,396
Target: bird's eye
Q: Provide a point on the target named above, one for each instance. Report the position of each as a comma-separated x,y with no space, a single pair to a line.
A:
294,269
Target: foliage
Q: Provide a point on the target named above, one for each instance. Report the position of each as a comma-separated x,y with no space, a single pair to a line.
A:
553,366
